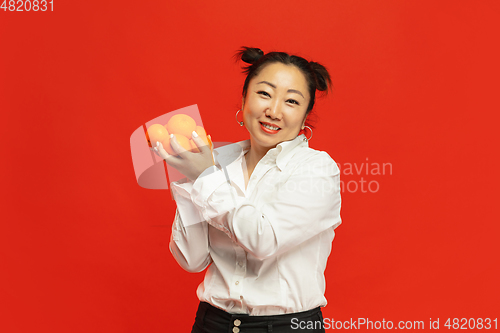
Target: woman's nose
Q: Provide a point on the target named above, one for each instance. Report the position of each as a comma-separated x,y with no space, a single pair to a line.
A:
274,111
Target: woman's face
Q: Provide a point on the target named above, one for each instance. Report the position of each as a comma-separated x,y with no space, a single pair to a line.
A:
276,97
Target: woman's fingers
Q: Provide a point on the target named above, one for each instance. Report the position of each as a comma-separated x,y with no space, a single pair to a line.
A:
160,151
155,150
176,146
163,153
188,163
200,143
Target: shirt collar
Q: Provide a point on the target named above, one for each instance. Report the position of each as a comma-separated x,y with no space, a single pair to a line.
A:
280,155
286,150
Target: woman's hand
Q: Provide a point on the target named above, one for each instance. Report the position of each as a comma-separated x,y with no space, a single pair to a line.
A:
188,163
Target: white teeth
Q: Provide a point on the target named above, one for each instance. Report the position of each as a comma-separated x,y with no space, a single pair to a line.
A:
270,127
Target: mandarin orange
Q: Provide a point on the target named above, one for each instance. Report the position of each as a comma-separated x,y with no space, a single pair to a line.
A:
202,133
195,148
156,132
181,139
181,124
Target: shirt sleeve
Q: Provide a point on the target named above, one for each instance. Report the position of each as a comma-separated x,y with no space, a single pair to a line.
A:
304,205
189,242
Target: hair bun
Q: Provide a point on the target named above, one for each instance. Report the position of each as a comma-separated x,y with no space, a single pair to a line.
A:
250,55
323,80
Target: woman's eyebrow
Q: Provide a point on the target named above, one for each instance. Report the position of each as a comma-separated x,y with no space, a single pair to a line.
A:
289,90
268,83
295,91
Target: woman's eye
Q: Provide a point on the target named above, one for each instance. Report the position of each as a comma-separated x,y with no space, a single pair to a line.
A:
293,101
263,93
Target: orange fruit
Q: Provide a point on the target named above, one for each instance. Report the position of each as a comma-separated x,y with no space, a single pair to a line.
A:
156,132
166,145
181,124
181,139
202,134
195,148
201,131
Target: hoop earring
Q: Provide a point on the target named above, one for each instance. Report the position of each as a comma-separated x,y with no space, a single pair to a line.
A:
236,116
307,139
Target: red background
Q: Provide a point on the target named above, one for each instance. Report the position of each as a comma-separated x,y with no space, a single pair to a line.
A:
83,248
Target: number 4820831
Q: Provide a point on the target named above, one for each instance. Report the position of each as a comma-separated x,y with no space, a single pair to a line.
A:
27,5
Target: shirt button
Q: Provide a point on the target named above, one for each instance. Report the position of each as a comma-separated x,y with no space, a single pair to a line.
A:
237,283
236,329
241,297
237,322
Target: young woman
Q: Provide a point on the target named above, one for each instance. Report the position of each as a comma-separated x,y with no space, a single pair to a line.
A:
263,217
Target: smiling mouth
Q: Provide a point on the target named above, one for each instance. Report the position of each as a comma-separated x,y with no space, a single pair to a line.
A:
272,128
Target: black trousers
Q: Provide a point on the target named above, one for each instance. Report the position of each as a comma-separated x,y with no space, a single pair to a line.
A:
210,319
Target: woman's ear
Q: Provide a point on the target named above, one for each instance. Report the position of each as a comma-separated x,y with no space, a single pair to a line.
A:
242,102
303,123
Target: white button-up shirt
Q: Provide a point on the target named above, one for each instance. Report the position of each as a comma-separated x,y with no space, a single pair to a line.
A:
267,245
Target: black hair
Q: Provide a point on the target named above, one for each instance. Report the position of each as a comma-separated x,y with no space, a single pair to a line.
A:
317,76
